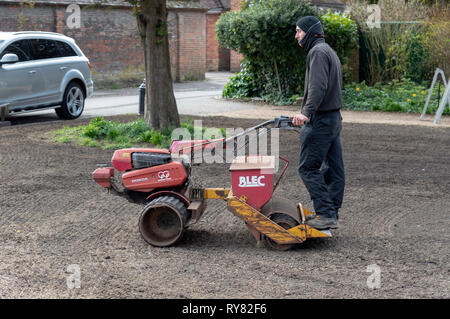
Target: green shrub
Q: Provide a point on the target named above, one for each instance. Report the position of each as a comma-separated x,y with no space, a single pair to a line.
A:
341,33
264,32
242,84
97,128
418,67
407,56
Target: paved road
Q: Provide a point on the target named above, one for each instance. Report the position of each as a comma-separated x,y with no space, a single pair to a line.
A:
203,98
193,98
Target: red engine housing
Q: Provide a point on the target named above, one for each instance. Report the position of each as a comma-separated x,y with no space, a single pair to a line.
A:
103,176
121,159
168,175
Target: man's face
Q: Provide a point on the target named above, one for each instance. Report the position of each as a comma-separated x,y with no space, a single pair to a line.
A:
299,34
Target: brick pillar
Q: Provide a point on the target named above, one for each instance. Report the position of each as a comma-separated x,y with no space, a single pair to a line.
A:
191,45
59,21
212,44
217,58
235,58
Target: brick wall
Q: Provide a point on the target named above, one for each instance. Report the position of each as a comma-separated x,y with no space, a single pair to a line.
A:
108,36
14,17
191,53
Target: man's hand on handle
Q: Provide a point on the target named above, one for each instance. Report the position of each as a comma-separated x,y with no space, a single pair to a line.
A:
299,119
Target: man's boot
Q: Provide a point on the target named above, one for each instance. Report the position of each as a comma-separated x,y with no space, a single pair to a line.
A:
321,222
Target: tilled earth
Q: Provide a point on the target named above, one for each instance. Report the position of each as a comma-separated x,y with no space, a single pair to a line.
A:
394,222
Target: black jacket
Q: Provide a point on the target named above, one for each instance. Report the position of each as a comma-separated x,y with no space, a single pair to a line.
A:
323,80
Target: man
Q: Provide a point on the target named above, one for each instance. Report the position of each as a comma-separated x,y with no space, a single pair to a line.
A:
321,166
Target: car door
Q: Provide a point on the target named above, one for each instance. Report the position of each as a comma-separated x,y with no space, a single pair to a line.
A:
20,82
68,60
46,56
54,61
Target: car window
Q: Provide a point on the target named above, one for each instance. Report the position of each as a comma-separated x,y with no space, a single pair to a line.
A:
44,49
65,49
20,48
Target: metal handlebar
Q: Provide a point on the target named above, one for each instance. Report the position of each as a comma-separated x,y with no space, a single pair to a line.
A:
283,122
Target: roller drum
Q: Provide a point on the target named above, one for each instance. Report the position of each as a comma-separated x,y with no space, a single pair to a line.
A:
163,221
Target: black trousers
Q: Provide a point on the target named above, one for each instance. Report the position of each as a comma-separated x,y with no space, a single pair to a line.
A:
321,166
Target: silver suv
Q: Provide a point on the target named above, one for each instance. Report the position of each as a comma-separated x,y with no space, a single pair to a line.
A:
43,70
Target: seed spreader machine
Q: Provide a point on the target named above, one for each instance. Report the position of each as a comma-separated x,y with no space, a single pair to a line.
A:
160,179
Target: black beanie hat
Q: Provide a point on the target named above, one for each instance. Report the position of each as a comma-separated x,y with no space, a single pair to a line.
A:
313,29
307,22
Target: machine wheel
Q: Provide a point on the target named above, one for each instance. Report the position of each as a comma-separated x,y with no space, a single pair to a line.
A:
73,102
163,221
286,222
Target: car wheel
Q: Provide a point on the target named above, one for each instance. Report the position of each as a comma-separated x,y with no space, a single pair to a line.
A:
73,102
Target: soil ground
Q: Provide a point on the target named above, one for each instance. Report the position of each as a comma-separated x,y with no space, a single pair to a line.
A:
395,215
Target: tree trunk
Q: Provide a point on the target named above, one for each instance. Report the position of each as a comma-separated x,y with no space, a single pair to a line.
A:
161,107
